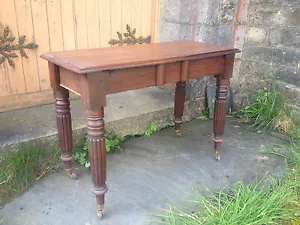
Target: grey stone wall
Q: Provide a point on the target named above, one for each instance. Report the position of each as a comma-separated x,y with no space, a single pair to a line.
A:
267,32
271,48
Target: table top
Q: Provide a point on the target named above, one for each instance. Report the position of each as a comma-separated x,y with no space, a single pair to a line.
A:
103,59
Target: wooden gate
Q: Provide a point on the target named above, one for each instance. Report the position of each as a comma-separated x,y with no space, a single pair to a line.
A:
56,25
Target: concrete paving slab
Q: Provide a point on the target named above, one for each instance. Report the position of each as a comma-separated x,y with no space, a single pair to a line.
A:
148,172
36,122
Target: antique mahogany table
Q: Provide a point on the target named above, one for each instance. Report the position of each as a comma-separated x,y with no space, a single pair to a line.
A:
94,73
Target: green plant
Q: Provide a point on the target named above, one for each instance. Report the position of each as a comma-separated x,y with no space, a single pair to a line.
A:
151,129
81,154
20,168
277,202
240,205
264,108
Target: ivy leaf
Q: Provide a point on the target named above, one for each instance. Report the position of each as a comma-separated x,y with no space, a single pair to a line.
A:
22,40
133,31
87,164
82,160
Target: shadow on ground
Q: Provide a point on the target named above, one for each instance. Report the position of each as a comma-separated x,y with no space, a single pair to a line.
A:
147,173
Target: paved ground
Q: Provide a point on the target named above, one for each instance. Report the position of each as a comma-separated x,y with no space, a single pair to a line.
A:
21,125
147,173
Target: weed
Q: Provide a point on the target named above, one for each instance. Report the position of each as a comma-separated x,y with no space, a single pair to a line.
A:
268,111
151,129
240,205
20,168
263,109
81,154
205,115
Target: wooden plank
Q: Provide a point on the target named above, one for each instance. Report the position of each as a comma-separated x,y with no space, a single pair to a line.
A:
126,14
4,80
19,101
40,23
55,25
25,27
92,13
136,17
116,18
68,29
146,17
80,24
155,18
15,75
105,22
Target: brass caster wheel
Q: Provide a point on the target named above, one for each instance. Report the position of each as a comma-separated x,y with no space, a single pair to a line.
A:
178,133
218,157
100,213
72,174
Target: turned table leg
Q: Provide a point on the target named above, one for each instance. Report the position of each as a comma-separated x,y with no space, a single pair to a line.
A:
220,113
179,105
97,155
64,127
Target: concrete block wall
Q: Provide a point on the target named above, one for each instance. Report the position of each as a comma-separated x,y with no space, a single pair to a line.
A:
267,32
199,20
271,48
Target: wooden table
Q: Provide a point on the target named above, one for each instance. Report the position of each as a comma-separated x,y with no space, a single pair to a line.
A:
94,73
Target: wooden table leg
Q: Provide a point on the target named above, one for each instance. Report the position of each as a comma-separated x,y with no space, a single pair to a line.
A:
64,126
63,119
97,155
220,113
179,105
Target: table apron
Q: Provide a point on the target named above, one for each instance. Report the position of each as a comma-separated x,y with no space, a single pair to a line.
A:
141,77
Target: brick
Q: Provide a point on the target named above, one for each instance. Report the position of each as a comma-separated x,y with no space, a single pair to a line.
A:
288,37
268,16
258,35
178,11
228,9
208,11
206,33
272,56
289,75
174,31
291,92
275,2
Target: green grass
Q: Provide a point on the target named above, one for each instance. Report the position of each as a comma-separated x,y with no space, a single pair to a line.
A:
256,203
261,203
268,110
20,168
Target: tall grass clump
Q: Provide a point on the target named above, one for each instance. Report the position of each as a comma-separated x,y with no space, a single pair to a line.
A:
268,110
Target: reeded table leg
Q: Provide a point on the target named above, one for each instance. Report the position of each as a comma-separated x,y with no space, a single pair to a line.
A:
64,126
220,113
179,105
97,155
